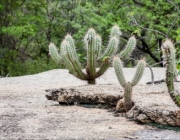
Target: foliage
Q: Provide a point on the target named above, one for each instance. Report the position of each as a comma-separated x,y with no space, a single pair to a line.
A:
151,17
28,26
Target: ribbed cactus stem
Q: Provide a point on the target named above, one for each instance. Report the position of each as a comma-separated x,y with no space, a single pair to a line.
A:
93,45
70,40
69,50
111,48
168,51
127,85
97,45
73,63
115,31
127,96
139,72
90,45
118,67
54,53
104,66
89,37
129,48
65,58
170,63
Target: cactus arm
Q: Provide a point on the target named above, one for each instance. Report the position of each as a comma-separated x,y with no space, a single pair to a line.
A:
89,41
139,72
111,48
104,66
72,58
70,40
129,48
76,64
113,43
97,45
65,58
91,60
71,62
68,64
128,96
119,71
54,53
115,31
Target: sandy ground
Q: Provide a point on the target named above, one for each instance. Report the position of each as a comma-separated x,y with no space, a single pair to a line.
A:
25,113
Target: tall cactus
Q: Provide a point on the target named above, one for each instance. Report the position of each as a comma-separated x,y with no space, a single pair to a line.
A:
118,67
169,61
93,44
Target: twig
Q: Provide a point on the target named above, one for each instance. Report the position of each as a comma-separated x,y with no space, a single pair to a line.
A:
156,64
135,22
177,43
8,75
152,74
151,70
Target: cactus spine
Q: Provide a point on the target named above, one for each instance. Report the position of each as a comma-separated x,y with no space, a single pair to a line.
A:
128,85
93,44
169,60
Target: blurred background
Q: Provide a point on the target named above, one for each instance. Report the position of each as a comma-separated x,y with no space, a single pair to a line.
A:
28,26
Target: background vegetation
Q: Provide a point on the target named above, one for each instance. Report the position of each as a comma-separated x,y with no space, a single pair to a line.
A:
28,26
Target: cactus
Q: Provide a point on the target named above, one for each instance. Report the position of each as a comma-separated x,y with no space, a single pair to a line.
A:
129,48
169,61
93,44
118,67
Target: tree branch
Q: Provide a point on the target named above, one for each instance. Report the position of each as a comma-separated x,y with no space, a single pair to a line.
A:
135,22
175,19
146,49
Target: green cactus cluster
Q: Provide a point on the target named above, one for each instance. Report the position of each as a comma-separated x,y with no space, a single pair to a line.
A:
169,61
118,67
95,55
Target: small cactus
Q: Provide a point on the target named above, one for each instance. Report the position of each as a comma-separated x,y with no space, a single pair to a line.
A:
93,44
128,85
169,61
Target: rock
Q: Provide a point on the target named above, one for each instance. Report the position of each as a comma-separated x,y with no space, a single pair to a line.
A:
143,118
152,103
120,106
92,94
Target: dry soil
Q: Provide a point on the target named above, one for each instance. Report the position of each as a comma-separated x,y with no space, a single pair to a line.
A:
25,113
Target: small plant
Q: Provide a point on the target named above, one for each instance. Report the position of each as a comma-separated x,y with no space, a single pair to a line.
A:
93,45
169,61
128,85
